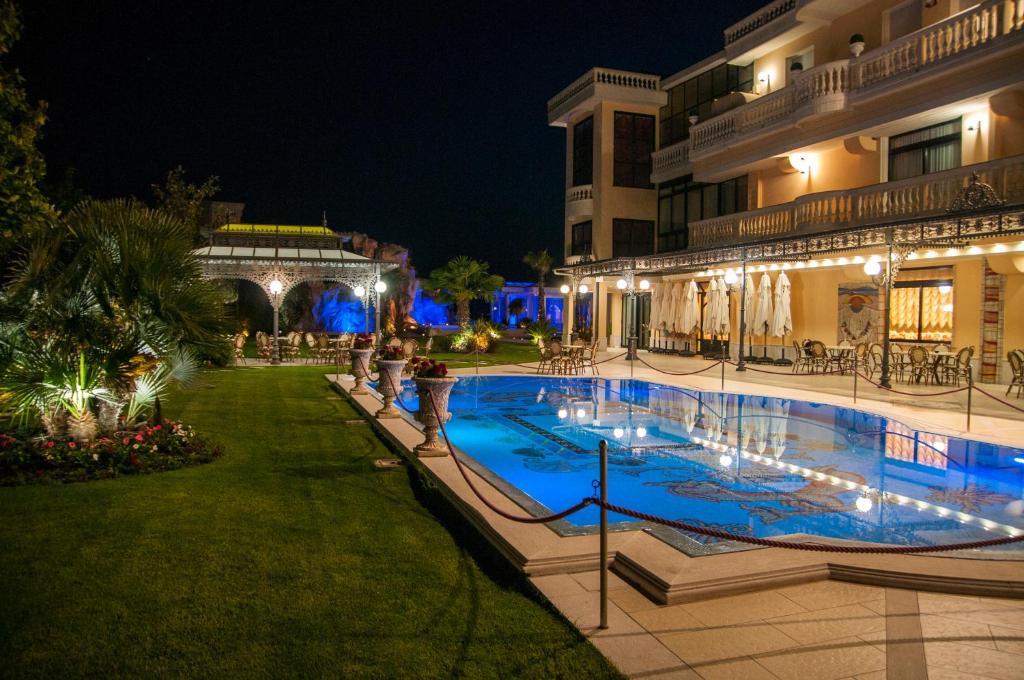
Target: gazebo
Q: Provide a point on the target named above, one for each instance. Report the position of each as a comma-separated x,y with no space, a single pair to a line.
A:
279,257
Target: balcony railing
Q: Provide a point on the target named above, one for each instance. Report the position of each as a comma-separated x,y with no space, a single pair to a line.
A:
583,192
671,161
760,19
831,86
604,76
918,197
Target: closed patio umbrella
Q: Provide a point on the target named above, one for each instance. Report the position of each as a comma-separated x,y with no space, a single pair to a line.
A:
763,318
667,312
782,319
711,307
656,322
689,315
750,308
724,323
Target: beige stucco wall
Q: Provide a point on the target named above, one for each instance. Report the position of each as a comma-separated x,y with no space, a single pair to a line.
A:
1013,329
832,168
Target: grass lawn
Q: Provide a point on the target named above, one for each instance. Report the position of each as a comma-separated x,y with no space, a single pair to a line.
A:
291,556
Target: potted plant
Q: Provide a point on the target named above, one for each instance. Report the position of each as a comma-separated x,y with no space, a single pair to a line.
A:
433,387
795,67
856,44
362,348
390,364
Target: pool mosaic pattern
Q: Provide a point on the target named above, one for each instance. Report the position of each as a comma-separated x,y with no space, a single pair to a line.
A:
751,465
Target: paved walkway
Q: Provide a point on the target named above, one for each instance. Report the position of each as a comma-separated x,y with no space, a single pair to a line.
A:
825,630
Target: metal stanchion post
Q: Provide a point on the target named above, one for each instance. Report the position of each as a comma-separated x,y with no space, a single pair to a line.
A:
631,348
603,460
476,353
723,374
970,389
337,362
855,377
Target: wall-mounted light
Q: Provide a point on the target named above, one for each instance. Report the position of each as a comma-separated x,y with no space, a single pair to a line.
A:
872,268
974,124
644,284
801,163
621,284
765,78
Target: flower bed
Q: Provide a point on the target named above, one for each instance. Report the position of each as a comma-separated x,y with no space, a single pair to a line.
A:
155,448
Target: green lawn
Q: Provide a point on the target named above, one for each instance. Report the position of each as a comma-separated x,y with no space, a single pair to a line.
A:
291,556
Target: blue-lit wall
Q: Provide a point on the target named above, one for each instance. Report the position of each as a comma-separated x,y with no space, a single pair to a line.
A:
504,297
339,311
427,312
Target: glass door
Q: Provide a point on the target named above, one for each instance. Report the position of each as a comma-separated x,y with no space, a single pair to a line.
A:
636,319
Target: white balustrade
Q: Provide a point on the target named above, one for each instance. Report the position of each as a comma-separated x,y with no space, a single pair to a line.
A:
924,196
583,192
829,86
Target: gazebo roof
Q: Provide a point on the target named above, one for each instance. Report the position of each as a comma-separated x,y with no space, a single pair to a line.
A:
282,229
253,253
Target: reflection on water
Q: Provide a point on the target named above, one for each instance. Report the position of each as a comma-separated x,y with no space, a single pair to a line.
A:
754,465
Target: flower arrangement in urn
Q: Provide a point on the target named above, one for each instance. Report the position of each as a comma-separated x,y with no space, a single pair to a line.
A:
390,363
433,387
362,348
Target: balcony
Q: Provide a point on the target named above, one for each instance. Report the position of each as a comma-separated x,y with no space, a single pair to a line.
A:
599,84
671,162
579,201
840,85
918,197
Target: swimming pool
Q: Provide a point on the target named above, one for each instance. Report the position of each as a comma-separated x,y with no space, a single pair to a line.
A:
752,465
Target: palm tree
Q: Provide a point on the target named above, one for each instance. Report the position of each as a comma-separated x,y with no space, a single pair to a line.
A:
515,308
542,263
462,280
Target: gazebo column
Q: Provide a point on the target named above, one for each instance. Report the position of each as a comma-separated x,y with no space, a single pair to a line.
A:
275,350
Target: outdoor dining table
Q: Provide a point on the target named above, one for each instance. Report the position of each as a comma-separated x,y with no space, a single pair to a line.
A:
569,356
934,360
836,354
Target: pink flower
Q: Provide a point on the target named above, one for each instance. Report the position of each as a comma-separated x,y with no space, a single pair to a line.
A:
49,445
72,445
157,428
125,440
138,437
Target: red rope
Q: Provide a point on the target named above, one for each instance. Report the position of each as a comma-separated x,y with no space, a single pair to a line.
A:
910,394
814,547
748,367
1001,401
659,370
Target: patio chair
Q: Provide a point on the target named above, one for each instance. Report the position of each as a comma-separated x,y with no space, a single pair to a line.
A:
292,344
803,358
1016,359
323,351
960,367
409,348
818,356
898,362
310,347
263,347
587,358
239,346
859,357
874,362
918,366
545,356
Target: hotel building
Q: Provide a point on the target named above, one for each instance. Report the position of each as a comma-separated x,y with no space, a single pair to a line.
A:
823,135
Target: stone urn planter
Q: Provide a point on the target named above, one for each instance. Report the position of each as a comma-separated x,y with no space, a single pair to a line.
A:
856,45
440,389
390,380
360,369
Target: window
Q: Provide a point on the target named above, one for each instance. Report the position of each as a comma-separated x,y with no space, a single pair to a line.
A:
930,149
582,238
695,96
900,20
632,238
804,57
684,201
922,305
634,142
583,152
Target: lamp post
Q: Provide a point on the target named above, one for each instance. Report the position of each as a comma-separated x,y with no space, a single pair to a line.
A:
276,287
741,365
567,320
378,288
872,268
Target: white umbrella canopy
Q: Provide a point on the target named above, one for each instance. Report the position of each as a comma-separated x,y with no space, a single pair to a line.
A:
666,312
690,315
711,307
676,304
763,318
724,322
656,295
782,319
750,304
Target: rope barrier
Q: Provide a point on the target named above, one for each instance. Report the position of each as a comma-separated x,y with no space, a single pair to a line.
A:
748,367
543,519
1000,400
911,394
813,547
661,370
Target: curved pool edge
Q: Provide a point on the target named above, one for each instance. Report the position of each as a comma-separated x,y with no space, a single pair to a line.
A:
667,575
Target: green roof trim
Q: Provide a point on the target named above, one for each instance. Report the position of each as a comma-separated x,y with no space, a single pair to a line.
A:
288,229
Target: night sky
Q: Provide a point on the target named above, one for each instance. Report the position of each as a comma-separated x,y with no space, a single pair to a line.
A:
419,123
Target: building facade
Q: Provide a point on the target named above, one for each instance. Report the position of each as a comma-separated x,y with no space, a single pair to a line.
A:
823,135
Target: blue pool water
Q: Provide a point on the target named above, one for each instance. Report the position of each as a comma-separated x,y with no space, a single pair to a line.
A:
756,466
